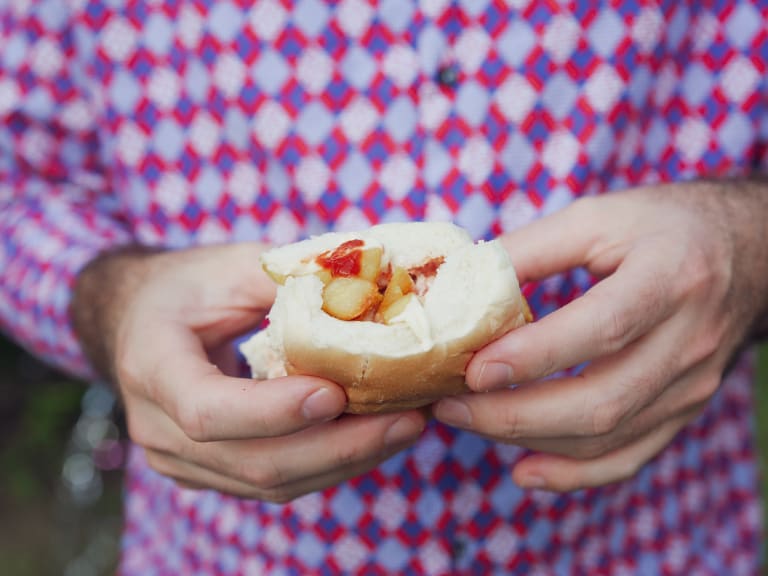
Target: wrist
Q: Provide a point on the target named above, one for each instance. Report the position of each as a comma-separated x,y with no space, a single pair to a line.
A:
761,186
102,292
749,204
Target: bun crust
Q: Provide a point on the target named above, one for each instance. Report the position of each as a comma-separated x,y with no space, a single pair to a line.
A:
376,384
418,358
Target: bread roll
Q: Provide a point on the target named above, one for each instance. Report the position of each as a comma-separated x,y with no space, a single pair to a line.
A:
464,296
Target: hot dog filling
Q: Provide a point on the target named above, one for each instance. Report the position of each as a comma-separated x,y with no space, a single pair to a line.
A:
344,261
357,286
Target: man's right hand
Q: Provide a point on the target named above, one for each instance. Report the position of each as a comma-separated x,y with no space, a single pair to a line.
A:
161,326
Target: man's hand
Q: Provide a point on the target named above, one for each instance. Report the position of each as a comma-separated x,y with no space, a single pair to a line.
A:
161,326
684,273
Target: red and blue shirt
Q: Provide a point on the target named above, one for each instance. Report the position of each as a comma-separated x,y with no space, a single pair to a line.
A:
184,122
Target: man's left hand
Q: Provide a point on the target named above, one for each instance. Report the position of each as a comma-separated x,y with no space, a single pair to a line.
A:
684,282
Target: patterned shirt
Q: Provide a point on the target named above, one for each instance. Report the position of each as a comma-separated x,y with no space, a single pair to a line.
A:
182,122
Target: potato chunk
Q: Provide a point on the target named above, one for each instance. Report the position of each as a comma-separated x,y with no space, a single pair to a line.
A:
394,308
348,298
399,285
325,275
395,301
370,263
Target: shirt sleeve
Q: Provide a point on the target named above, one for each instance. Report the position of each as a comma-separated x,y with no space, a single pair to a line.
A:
57,206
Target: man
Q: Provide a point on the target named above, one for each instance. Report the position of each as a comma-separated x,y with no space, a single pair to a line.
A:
130,128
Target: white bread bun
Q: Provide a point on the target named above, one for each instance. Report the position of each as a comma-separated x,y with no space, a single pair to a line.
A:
421,355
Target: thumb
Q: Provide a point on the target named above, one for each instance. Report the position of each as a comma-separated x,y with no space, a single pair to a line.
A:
555,243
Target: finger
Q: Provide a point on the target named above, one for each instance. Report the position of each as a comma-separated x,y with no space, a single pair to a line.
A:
335,446
241,283
193,476
209,406
593,447
188,485
689,395
594,403
225,358
217,311
219,407
563,474
558,242
614,313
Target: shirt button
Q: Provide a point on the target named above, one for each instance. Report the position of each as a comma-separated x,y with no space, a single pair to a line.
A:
448,76
460,551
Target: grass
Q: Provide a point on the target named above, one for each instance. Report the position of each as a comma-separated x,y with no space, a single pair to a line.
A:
41,528
762,434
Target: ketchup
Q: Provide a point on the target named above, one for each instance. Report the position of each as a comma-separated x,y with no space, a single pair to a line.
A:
343,261
429,268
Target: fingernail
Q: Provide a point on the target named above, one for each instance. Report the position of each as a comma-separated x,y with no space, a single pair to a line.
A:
494,375
454,412
320,405
403,430
533,481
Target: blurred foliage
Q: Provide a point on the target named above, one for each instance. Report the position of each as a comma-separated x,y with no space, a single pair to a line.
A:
762,436
32,450
43,530
37,410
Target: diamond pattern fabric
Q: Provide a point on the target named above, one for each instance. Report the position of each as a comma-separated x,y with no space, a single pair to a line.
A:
192,122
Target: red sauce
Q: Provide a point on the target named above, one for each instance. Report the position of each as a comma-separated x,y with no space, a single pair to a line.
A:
429,268
385,275
345,260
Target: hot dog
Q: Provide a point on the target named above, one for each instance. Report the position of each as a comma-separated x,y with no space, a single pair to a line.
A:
393,313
